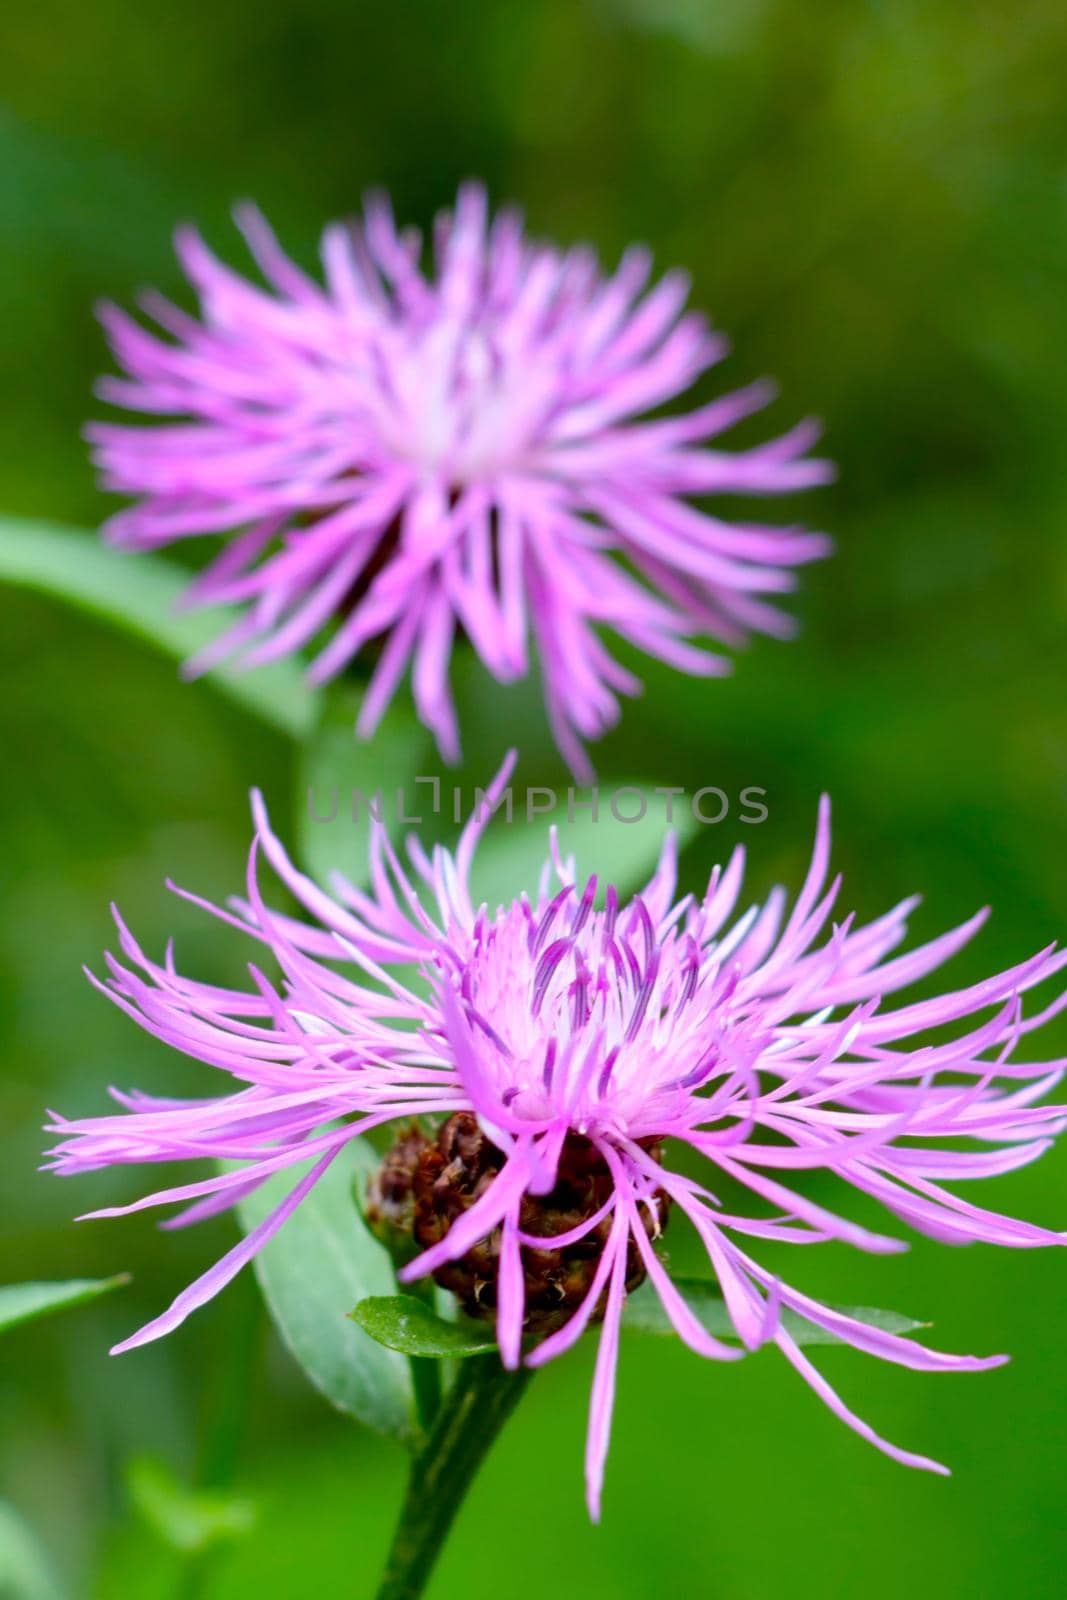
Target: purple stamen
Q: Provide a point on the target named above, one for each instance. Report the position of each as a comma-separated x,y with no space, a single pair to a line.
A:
703,1070
579,992
549,916
585,905
644,922
692,973
637,1016
488,1029
606,1071
611,911
545,968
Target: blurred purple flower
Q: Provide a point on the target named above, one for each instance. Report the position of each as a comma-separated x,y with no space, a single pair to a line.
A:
398,456
757,1042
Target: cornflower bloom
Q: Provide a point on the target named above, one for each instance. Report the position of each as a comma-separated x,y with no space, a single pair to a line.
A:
560,1051
401,455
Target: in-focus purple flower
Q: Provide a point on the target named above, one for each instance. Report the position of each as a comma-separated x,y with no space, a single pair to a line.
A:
573,1049
398,456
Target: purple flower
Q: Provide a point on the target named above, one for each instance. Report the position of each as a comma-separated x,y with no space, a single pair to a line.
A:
565,1042
399,456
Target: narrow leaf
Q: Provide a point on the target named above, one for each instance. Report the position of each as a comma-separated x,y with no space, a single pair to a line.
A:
644,1313
139,593
313,1271
22,1302
401,1322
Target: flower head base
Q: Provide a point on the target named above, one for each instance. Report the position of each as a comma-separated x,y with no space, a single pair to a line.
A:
559,1047
430,1184
402,456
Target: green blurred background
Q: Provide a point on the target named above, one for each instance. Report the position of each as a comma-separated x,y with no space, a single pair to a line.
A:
872,199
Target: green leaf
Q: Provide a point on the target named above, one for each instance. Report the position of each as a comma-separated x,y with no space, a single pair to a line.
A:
402,1322
645,1314
510,855
25,1571
188,1520
334,764
313,1271
22,1302
138,593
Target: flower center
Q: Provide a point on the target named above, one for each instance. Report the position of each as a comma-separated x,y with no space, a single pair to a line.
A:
425,1185
460,406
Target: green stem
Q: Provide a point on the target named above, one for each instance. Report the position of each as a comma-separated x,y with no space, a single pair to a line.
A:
426,1372
426,1382
472,1414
